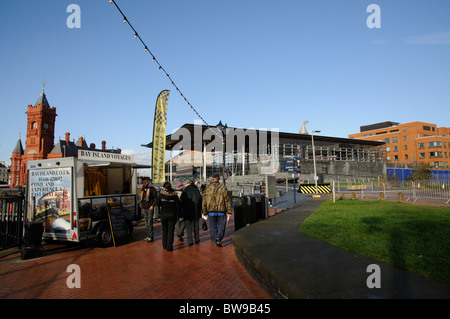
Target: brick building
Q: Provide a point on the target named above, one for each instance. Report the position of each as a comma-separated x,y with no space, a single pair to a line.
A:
410,142
40,144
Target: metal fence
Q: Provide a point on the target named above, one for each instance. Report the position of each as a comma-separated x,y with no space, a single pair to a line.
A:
433,191
11,221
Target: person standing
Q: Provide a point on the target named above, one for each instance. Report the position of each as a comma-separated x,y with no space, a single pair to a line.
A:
170,211
148,198
191,201
181,223
216,204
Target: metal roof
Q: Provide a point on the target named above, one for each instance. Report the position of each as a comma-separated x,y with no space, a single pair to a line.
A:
42,100
283,137
18,149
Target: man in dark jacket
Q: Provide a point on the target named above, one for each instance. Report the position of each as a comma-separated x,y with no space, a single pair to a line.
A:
191,201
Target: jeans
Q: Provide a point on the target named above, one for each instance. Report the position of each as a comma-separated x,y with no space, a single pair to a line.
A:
217,225
148,218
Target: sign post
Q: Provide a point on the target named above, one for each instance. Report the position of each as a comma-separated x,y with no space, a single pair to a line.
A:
116,219
271,189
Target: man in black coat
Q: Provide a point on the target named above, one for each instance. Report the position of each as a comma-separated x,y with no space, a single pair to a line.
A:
191,201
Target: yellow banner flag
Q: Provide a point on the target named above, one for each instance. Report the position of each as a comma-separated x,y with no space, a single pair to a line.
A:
159,138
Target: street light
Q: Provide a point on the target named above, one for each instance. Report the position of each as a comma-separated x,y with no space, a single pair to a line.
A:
314,161
223,130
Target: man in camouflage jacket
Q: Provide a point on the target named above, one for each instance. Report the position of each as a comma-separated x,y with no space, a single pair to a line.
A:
216,204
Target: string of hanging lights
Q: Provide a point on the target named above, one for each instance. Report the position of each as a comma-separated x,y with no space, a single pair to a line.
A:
155,60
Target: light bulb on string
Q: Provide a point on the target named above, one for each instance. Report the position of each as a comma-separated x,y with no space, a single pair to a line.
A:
157,62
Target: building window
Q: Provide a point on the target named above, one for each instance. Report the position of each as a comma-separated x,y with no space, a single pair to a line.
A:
437,164
404,137
434,144
388,149
422,155
406,156
387,140
421,145
395,148
388,158
396,158
435,154
426,128
405,147
394,139
404,129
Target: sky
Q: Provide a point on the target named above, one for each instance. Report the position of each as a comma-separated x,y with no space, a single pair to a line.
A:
250,63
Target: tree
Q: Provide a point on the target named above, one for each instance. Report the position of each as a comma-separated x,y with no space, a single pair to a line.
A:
421,172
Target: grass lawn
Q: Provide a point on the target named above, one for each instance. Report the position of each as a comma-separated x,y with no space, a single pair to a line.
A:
412,237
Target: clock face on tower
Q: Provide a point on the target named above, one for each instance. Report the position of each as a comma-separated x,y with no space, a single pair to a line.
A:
35,125
46,125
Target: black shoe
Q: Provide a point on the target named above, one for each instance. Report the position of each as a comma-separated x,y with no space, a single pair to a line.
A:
218,242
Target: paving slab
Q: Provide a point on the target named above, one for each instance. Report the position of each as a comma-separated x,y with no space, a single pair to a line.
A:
292,265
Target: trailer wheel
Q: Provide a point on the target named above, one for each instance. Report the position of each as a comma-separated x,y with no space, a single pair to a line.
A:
104,236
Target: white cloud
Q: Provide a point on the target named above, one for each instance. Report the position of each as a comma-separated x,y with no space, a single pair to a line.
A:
430,38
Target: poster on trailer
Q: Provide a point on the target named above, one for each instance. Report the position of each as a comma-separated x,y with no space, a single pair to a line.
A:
51,189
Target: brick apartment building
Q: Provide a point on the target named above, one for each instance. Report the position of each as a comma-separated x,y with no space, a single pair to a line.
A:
410,142
39,142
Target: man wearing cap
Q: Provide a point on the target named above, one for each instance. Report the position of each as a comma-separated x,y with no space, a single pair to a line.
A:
216,204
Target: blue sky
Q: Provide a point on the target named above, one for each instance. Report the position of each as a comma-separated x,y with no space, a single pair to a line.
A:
252,63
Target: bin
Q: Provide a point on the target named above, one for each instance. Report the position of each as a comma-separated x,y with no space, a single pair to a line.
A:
260,203
240,213
32,241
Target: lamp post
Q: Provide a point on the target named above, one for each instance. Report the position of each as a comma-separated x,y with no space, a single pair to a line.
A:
223,130
314,161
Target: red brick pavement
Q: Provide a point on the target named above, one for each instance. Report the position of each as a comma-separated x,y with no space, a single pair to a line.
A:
137,270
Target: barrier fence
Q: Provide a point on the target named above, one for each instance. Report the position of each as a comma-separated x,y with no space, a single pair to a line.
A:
412,191
11,221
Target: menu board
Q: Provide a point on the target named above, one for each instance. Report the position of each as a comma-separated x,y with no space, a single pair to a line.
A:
117,223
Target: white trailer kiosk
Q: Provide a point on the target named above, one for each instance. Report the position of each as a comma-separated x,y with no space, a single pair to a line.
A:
85,197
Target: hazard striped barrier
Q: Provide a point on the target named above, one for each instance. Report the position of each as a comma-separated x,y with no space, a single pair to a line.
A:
311,188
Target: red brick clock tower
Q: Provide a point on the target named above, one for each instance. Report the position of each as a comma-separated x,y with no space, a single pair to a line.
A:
40,129
40,138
